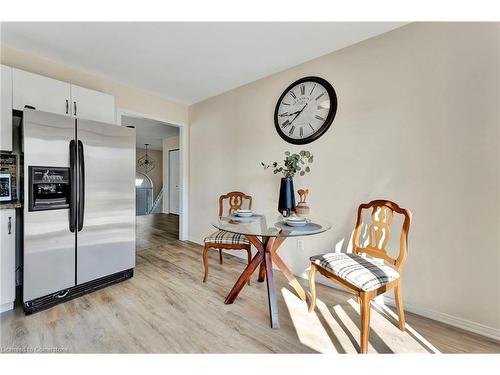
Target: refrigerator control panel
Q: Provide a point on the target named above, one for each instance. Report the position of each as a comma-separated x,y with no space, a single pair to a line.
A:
50,188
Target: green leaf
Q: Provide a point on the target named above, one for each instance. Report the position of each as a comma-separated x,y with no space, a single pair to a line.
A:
287,153
308,169
302,153
302,173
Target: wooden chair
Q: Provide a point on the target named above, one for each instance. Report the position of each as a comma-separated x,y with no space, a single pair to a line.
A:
223,240
366,277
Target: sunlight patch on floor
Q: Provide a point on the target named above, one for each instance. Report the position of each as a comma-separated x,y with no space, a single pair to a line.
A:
336,329
409,329
309,329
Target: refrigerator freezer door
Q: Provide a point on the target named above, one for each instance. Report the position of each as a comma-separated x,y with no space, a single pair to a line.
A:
49,245
106,237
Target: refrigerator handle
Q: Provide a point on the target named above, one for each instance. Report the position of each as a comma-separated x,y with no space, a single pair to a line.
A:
81,185
72,183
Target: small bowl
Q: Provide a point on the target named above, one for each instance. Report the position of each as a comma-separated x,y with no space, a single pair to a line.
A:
295,221
243,213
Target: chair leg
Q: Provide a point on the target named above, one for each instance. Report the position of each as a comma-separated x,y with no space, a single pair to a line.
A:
399,305
205,262
262,272
312,287
221,258
365,322
249,252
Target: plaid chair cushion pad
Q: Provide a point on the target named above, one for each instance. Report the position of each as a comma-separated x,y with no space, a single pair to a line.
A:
365,273
228,238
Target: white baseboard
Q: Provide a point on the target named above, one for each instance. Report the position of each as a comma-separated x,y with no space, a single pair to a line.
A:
6,307
454,321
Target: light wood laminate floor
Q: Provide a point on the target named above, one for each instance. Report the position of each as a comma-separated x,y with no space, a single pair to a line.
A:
165,308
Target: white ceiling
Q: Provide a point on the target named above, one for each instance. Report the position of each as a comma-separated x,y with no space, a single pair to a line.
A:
150,131
186,62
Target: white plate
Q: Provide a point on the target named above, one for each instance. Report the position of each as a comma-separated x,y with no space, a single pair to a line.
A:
243,219
295,219
296,223
244,213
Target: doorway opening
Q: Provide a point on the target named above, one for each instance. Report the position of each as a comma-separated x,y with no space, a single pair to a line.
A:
158,166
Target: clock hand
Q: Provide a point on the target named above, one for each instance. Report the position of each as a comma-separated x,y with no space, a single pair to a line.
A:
299,112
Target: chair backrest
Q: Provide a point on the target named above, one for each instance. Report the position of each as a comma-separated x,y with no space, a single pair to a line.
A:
379,231
236,200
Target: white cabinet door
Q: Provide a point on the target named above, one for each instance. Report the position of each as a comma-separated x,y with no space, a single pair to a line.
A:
43,93
92,105
7,259
6,119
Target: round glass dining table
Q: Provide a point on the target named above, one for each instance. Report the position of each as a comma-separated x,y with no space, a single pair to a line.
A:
267,232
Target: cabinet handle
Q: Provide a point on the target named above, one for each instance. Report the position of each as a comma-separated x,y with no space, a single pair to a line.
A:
74,104
67,106
10,225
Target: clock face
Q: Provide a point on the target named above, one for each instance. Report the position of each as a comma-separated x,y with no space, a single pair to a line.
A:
305,110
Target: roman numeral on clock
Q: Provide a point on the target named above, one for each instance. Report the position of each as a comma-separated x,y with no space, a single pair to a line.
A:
320,95
284,114
312,89
293,94
285,124
301,132
319,117
291,130
312,127
302,89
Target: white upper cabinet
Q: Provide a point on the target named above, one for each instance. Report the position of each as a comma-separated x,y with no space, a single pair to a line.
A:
43,93
6,118
50,95
92,105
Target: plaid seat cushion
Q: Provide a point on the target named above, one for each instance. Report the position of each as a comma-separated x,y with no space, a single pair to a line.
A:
365,273
227,238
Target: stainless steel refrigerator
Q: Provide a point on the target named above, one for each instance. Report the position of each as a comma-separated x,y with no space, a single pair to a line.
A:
79,207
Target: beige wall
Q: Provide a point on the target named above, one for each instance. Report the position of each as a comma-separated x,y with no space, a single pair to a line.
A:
126,97
171,143
156,174
417,123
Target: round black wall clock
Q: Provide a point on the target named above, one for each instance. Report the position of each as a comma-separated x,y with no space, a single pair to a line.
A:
305,110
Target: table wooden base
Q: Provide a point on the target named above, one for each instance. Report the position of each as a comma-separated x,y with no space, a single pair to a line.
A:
266,254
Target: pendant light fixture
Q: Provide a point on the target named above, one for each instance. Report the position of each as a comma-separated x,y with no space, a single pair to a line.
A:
146,163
